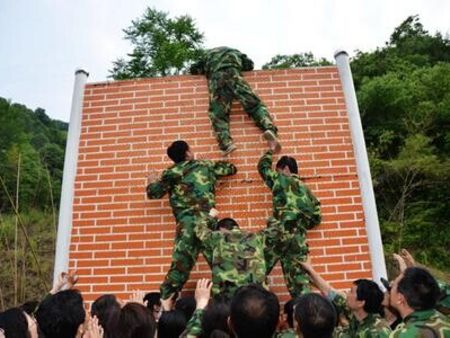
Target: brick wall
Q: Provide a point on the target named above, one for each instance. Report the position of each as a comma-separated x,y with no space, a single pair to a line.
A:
122,242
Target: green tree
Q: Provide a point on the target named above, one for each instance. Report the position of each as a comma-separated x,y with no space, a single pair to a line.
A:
409,47
403,92
295,61
161,46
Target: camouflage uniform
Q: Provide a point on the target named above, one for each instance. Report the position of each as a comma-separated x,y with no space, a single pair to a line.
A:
443,304
373,326
237,256
191,187
298,210
427,323
288,333
222,67
194,325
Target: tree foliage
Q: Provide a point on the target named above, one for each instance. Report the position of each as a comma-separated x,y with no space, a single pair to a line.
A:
403,91
31,148
31,163
295,61
161,46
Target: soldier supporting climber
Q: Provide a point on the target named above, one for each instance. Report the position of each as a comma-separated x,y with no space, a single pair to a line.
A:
222,67
298,210
191,187
237,256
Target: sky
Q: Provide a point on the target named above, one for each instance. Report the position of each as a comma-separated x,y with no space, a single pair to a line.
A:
43,42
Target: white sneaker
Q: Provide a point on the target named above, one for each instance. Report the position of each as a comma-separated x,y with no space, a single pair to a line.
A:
230,149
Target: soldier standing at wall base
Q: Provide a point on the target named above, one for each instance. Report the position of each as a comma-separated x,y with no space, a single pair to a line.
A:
222,67
237,256
298,210
190,184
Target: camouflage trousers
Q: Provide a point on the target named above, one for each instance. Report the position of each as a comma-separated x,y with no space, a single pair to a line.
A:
291,250
184,256
225,86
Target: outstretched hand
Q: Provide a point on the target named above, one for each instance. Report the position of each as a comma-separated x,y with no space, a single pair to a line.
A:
400,261
94,329
138,297
167,304
66,281
306,265
152,176
203,292
408,258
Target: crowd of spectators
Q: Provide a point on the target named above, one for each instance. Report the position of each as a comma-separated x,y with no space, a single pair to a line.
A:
414,304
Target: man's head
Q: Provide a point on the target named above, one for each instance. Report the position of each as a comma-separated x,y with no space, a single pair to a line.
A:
14,323
61,314
136,320
153,300
226,224
186,304
413,290
254,312
171,324
107,309
315,316
288,310
365,295
179,151
287,165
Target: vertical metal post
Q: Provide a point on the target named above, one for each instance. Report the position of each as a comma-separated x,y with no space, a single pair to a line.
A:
68,182
363,168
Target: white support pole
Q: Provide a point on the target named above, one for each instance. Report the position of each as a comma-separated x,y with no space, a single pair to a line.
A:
363,168
68,182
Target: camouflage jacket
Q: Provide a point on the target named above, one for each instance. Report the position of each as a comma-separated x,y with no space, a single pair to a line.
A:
292,200
194,325
237,256
427,323
190,184
221,58
288,333
373,326
443,304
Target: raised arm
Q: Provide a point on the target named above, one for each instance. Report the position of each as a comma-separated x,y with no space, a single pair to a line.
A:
316,279
265,169
157,188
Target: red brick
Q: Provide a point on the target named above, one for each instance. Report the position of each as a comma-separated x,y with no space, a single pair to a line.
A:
127,136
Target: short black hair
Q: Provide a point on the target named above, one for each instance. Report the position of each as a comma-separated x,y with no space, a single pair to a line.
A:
369,292
177,151
107,309
289,311
315,315
288,161
152,299
187,305
171,324
227,223
215,319
29,307
61,314
254,312
14,323
419,288
136,321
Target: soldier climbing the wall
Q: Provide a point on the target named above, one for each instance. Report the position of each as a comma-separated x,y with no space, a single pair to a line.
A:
237,256
298,210
222,67
191,186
